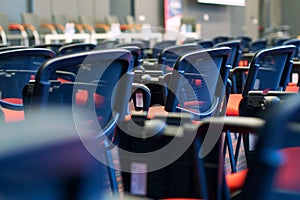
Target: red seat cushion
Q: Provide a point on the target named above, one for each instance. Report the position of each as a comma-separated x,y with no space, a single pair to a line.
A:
82,96
156,111
233,104
13,115
288,175
236,180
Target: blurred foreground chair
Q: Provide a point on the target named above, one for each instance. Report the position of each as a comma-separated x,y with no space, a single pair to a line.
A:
53,161
273,174
17,68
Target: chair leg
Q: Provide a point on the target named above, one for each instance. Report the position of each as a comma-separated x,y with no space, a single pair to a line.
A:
229,145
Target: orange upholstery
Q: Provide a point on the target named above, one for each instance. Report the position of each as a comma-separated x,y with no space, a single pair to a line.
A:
13,115
233,104
236,180
292,87
287,177
156,110
82,96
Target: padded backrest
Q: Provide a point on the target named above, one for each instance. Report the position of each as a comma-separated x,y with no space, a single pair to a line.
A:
53,47
258,44
83,19
245,42
139,44
110,19
18,66
159,46
170,54
103,76
205,44
106,44
274,173
172,169
235,53
52,161
220,39
296,43
137,55
270,69
199,76
75,48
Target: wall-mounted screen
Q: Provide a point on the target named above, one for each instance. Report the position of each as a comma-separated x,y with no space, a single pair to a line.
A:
224,2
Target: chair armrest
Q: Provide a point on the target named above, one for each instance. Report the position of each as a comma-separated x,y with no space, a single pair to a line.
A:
11,106
60,27
232,76
235,124
88,27
50,27
16,27
30,27
80,28
103,26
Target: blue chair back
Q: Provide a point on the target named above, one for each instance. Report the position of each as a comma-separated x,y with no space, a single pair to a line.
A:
170,54
75,48
236,51
199,78
270,69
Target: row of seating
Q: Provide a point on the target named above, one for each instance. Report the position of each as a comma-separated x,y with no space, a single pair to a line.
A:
195,83
32,29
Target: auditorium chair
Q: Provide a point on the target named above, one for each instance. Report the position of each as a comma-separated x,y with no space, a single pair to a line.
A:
236,51
245,43
204,44
258,44
272,158
53,47
159,46
139,44
197,84
102,86
75,48
269,69
273,173
35,29
219,39
14,33
47,157
296,43
170,54
92,27
17,68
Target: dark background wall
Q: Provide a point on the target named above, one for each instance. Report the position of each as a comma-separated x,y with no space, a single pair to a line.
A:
121,9
290,15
